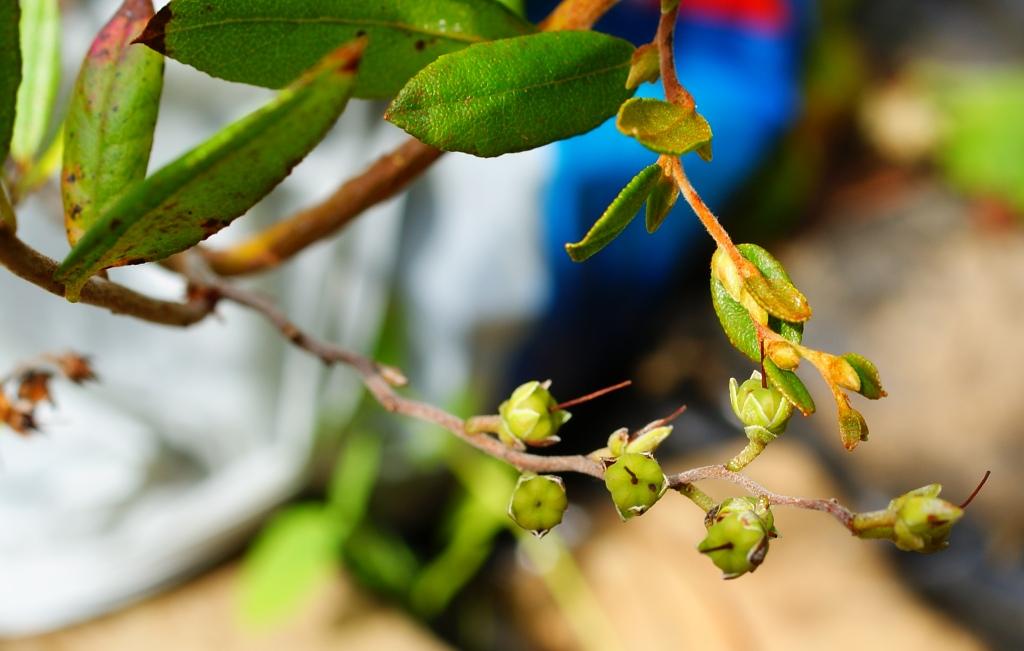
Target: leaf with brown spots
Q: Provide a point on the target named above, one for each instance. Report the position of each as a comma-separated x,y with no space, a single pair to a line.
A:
220,179
108,132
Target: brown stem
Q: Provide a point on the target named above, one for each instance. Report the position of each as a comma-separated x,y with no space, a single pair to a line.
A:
27,263
576,14
674,91
831,506
593,395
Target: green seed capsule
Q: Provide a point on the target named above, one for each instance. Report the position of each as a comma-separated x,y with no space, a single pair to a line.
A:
923,521
635,482
538,503
738,533
529,416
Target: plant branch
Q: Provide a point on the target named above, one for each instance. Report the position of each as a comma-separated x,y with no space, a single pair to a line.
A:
379,380
674,91
830,506
27,263
576,14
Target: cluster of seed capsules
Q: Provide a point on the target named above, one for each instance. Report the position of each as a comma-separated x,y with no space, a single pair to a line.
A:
738,529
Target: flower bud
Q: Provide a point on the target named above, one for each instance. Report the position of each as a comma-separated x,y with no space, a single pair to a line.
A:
923,521
538,503
617,442
763,411
635,482
529,416
650,440
738,533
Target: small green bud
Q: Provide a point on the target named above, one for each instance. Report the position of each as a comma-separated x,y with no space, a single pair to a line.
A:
923,521
649,441
763,411
738,533
617,442
635,482
529,416
538,503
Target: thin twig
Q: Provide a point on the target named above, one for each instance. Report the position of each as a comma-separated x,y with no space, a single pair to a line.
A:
830,506
674,91
593,395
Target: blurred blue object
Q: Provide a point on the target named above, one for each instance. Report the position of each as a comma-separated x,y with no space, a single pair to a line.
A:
741,61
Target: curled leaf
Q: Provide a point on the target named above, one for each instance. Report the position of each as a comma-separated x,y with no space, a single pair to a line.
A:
204,190
662,126
617,216
110,122
515,94
644,66
852,427
772,289
660,201
870,382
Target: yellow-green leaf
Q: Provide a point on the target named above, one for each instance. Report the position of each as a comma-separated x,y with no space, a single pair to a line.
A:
772,289
870,382
108,132
852,427
204,190
617,216
515,94
663,127
40,75
10,72
270,42
739,328
660,202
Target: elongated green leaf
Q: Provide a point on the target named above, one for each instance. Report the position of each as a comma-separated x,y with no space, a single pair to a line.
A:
353,479
40,75
204,190
663,127
870,382
742,334
108,132
515,94
297,549
269,42
617,216
10,72
660,202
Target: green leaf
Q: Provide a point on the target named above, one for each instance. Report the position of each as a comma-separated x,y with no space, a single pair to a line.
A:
645,66
660,202
742,334
269,42
40,75
204,190
515,94
852,427
108,132
294,552
353,479
381,560
10,72
773,290
617,216
870,382
663,127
